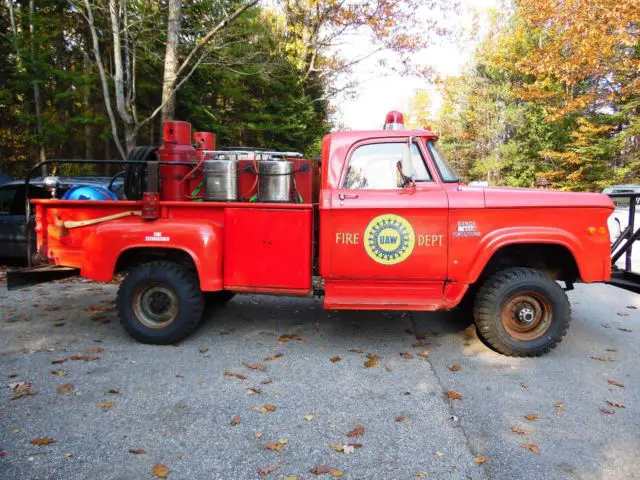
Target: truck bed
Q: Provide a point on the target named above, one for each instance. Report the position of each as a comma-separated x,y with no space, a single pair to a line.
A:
236,246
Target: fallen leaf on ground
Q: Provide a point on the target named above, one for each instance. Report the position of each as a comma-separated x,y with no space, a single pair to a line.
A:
608,411
22,389
255,366
356,432
259,434
235,420
268,407
406,355
321,470
86,358
632,307
137,451
105,405
400,418
59,361
113,391
288,337
65,388
335,359
616,404
532,447
254,391
611,349
355,350
59,373
273,357
308,417
421,475
606,325
453,395
266,381
560,405
39,441
239,376
524,385
204,350
616,383
160,471
290,477
276,446
480,459
439,454
423,354
266,470
3,453
345,448
372,360
95,350
518,430
603,359
532,417
455,367
625,329
335,473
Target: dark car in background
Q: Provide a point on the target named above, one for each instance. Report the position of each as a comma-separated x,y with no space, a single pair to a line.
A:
13,230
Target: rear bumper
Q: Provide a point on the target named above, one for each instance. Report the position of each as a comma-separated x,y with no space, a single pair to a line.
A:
26,277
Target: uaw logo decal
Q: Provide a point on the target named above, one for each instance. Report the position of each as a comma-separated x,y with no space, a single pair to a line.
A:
389,239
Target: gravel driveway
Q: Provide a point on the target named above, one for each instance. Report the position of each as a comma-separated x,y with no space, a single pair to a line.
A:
434,402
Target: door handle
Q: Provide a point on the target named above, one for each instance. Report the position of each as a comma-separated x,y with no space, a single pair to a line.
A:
342,196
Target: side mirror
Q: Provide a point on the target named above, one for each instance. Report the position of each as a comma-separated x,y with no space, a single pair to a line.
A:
407,166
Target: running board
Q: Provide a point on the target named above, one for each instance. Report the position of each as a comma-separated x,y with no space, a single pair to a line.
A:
26,277
626,280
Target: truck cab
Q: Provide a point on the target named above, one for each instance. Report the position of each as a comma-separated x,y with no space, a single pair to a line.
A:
385,224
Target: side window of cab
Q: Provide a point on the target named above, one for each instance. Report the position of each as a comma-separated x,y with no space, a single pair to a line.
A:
375,166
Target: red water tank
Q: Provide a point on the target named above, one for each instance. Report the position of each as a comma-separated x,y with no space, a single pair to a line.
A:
204,141
177,149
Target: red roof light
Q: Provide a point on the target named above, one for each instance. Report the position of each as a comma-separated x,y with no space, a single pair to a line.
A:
394,121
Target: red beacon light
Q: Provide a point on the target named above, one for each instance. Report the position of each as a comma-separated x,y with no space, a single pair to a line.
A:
394,121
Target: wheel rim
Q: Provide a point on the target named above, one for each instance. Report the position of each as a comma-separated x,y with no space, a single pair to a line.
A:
527,316
155,306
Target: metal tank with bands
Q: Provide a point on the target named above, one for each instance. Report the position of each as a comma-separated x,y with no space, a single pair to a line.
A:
221,180
275,180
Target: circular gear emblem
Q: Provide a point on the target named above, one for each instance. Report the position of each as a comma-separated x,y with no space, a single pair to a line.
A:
389,239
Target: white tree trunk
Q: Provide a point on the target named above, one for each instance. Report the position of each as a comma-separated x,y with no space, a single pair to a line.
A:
171,60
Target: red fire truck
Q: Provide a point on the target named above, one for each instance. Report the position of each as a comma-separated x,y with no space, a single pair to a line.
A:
380,222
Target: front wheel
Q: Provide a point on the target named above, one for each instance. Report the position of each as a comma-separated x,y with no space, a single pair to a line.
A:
160,303
521,312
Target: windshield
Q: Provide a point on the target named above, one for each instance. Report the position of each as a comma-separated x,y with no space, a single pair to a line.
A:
447,172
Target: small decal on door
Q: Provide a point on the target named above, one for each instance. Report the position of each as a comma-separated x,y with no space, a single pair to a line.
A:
467,228
157,237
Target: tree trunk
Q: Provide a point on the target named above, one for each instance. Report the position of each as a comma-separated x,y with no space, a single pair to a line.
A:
37,99
171,60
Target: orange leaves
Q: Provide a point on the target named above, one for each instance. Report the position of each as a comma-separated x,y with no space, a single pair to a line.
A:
266,470
453,395
276,446
235,420
372,361
266,408
335,359
455,367
65,388
406,355
255,366
616,404
480,459
518,430
239,376
273,357
86,358
105,405
616,383
137,451
42,441
160,471
323,469
356,432
532,417
532,447
22,389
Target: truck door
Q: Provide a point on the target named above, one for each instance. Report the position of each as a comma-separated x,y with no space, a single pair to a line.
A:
387,242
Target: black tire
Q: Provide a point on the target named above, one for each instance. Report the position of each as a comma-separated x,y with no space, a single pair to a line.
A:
521,312
219,298
160,302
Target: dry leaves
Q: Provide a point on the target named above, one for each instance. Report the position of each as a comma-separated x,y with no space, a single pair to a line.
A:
254,391
255,366
356,432
532,447
346,448
235,420
407,355
273,357
480,459
453,395
160,471
625,329
22,389
372,361
607,411
58,361
86,358
616,404
266,470
204,349
277,446
560,405
59,373
335,473
308,417
239,376
616,383
65,388
290,336
400,418
421,475
137,451
3,453
113,391
335,359
603,359
268,407
321,470
40,441
532,417
455,367
95,350
518,430
423,354
105,405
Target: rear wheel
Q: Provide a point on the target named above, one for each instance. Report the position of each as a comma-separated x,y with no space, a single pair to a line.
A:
521,312
160,302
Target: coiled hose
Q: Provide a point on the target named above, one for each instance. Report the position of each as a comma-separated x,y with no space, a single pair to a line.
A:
135,175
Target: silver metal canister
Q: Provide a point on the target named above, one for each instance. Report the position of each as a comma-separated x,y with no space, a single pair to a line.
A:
221,180
275,178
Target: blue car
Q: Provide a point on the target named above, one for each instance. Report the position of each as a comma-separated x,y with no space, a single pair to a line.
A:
13,230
